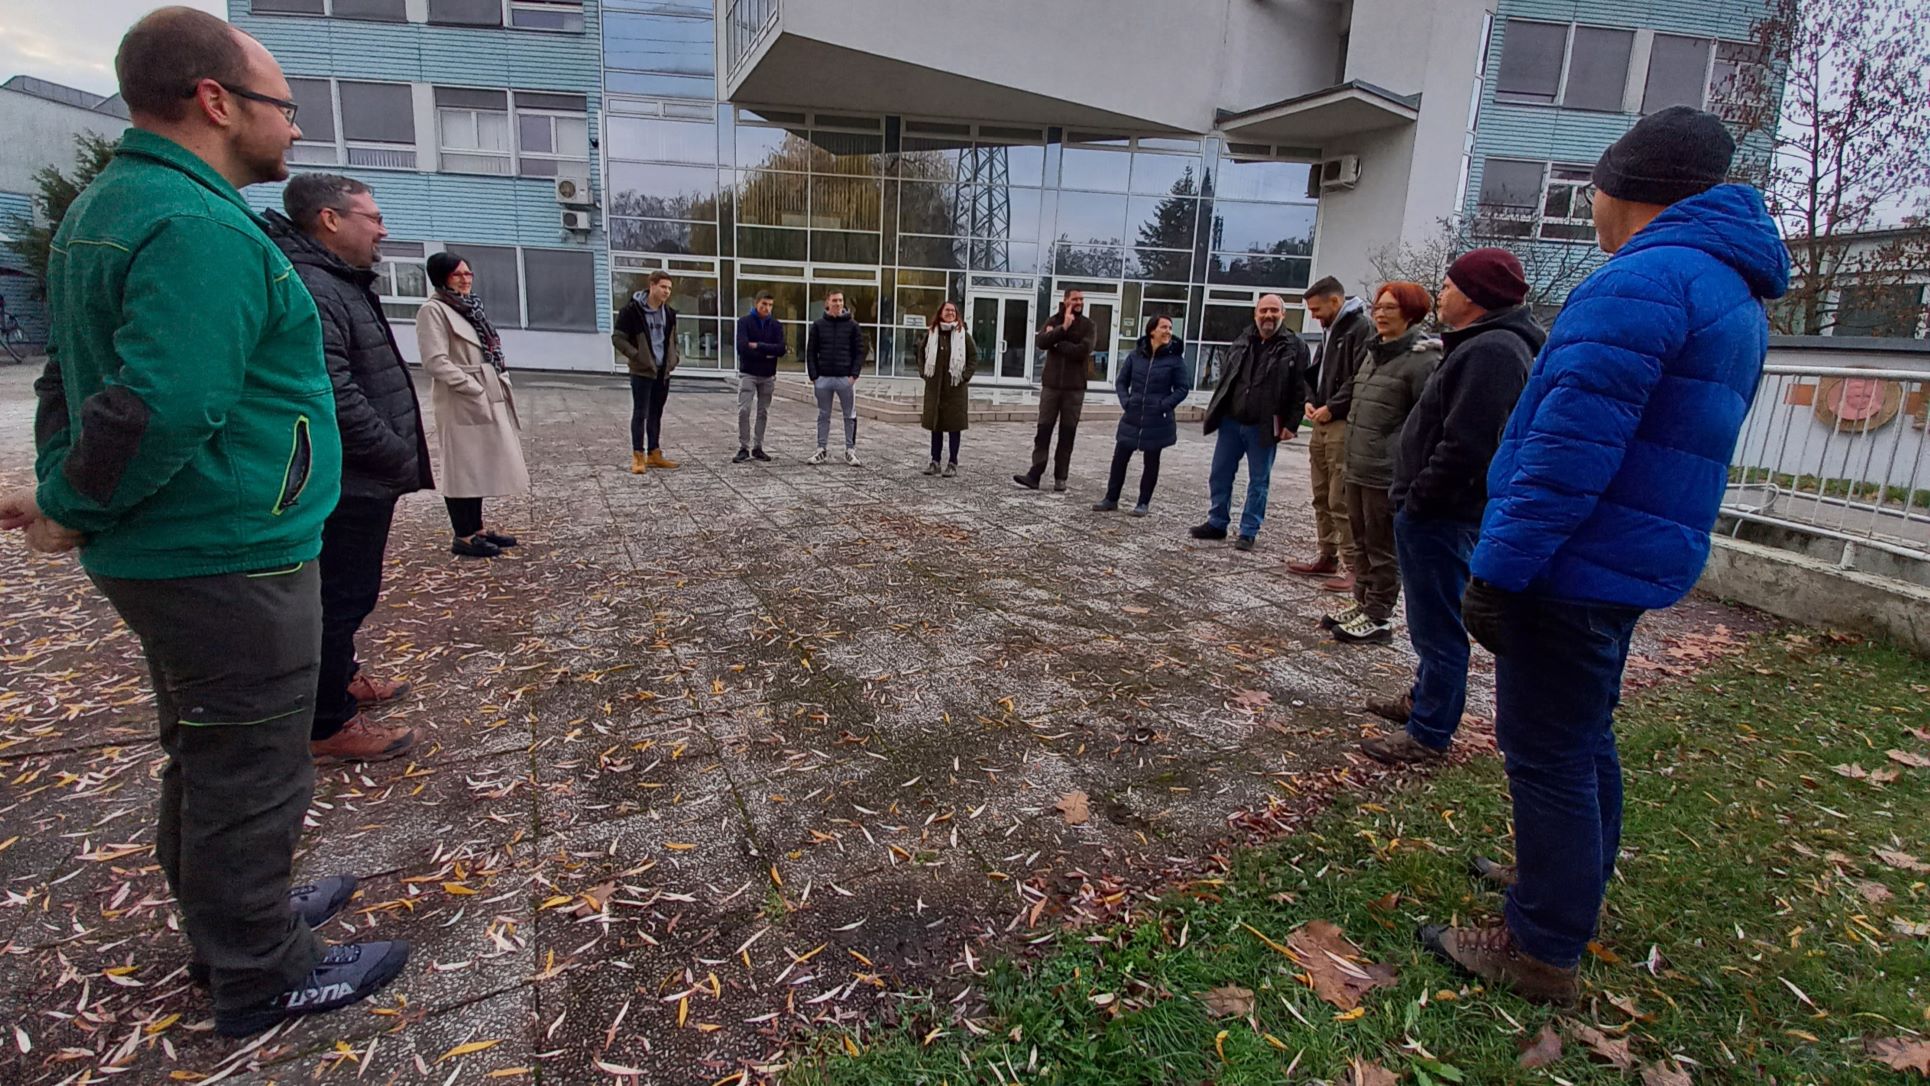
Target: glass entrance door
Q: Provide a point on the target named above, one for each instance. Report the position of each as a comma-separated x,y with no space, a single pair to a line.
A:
1002,330
1103,311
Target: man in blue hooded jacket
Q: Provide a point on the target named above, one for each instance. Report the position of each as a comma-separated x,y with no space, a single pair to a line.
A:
1601,498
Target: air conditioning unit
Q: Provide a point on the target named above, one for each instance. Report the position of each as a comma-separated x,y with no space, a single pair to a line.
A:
576,220
574,191
1339,173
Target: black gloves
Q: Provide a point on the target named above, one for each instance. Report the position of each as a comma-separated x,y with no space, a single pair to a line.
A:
1483,612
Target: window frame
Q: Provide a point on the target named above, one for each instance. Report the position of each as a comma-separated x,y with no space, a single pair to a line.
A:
1580,185
397,260
1566,70
518,112
507,156
341,150
511,7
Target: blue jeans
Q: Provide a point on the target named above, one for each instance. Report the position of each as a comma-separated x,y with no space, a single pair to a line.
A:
843,390
1238,440
1556,685
1434,568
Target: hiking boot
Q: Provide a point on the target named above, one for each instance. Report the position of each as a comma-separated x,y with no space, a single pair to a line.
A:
369,691
658,460
1206,531
1361,629
1341,582
932,468
1493,872
1322,565
851,456
1401,749
1394,712
1142,509
951,469
743,456
1105,506
474,547
1490,953
639,463
760,455
1244,543
316,903
1328,622
817,457
347,974
362,740
1058,486
1029,482
503,542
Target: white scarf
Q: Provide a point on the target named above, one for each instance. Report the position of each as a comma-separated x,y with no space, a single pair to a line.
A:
958,352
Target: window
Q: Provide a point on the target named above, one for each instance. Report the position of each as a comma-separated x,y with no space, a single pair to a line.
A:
546,15
1541,65
475,130
317,117
288,7
1736,80
1598,69
385,11
1510,193
378,124
1567,211
1878,310
1531,62
655,140
497,282
562,289
672,55
466,13
552,134
401,279
1701,73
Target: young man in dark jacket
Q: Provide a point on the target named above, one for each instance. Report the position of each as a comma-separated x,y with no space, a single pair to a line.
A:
1067,340
1600,501
1343,343
834,354
187,445
760,343
1440,488
645,334
1259,402
332,234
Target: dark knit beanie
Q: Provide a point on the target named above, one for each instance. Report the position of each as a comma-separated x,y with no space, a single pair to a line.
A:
1491,278
1668,156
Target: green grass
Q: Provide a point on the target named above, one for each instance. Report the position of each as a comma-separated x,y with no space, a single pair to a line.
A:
1740,848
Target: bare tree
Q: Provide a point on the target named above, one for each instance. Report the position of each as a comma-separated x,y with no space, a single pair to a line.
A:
1552,268
1840,102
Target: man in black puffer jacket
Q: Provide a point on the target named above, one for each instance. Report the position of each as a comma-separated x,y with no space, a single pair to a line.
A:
1258,403
1441,488
332,234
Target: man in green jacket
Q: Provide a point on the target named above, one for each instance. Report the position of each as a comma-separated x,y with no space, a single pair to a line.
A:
187,446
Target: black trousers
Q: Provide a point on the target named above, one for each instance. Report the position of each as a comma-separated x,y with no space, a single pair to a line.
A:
647,397
1122,455
353,541
1060,407
233,659
465,515
938,444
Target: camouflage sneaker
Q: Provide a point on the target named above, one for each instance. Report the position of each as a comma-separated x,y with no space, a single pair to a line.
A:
1490,953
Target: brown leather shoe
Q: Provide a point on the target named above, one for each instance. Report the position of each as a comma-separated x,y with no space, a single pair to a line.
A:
367,690
1401,749
363,740
1394,712
1323,565
639,463
1493,872
659,460
1491,954
1341,582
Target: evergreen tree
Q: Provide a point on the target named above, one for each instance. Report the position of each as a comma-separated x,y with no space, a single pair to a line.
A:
55,192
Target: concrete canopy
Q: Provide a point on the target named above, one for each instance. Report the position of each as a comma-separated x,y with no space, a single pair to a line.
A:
1310,120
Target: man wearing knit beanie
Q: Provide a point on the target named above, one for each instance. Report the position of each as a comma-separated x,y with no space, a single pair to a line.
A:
1440,488
1600,499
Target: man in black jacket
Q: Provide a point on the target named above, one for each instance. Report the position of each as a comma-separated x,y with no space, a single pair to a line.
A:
1343,345
834,354
1259,402
1441,487
1067,340
332,234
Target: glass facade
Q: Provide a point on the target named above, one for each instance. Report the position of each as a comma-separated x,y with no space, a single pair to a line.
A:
901,214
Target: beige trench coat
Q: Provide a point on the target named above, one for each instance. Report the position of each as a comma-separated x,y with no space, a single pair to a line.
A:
477,432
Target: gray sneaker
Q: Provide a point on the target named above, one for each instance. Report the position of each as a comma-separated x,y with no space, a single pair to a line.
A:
931,468
950,470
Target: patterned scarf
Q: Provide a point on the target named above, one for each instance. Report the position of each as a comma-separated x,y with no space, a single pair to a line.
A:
471,308
956,332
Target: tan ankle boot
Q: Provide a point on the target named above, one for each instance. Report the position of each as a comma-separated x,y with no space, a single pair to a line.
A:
639,463
1490,953
659,460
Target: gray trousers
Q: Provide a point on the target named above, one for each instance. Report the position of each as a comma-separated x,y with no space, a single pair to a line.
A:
841,388
234,659
750,389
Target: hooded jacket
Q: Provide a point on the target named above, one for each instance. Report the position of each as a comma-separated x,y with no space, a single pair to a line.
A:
1615,461
385,449
1341,350
1389,383
1151,386
1441,460
835,347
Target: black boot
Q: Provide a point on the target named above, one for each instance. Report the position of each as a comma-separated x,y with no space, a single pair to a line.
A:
347,974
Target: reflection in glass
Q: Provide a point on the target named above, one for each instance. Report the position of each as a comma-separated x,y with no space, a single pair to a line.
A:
933,158
771,148
1022,212
652,139
1280,273
1092,168
1005,256
926,252
788,298
840,247
1263,228
1155,174
919,302
1022,163
844,203
669,86
1091,218
772,199
1226,323
1270,181
654,236
1166,264
671,192
659,43
849,153
1162,222
860,300
1089,262
763,243
928,207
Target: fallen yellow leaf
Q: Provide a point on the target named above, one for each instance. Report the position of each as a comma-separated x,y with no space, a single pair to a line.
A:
468,1049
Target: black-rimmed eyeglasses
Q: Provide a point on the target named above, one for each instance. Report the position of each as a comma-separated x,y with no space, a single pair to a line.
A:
288,108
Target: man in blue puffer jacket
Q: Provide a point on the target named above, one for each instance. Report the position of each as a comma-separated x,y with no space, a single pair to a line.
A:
1602,494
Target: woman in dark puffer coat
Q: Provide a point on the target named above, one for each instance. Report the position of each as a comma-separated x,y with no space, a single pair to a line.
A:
1151,384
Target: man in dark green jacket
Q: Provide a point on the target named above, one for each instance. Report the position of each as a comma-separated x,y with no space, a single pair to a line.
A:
188,447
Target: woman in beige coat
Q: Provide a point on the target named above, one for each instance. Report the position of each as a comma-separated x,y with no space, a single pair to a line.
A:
476,427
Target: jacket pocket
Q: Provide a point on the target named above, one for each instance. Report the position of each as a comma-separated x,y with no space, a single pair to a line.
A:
301,462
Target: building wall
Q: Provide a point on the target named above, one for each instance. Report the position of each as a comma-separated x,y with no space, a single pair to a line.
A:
42,133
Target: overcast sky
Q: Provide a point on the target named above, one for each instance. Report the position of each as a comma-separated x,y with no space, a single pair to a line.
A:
72,41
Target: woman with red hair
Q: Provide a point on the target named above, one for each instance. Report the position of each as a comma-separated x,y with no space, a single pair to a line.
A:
1386,388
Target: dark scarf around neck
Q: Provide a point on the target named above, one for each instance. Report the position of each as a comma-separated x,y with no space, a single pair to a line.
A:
471,308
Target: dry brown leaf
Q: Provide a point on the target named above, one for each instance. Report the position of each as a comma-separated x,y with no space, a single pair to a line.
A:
594,899
1610,1049
1909,927
1131,610
1366,1073
1853,772
1075,807
1910,758
1900,1053
1873,892
1626,1004
1228,999
1542,1051
1920,733
1903,861
1252,699
1885,775
1385,904
1335,966
1666,1073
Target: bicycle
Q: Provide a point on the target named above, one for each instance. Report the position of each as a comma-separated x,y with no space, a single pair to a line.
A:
13,338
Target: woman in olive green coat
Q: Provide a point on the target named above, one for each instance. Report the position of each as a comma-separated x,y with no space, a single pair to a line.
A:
948,358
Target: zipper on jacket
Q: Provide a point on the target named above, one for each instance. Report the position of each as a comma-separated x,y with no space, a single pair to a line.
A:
300,461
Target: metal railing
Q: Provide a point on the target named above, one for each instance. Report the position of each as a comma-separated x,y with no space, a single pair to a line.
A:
745,25
1838,452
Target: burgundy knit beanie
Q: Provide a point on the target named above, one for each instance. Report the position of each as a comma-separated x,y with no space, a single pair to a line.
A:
1491,278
